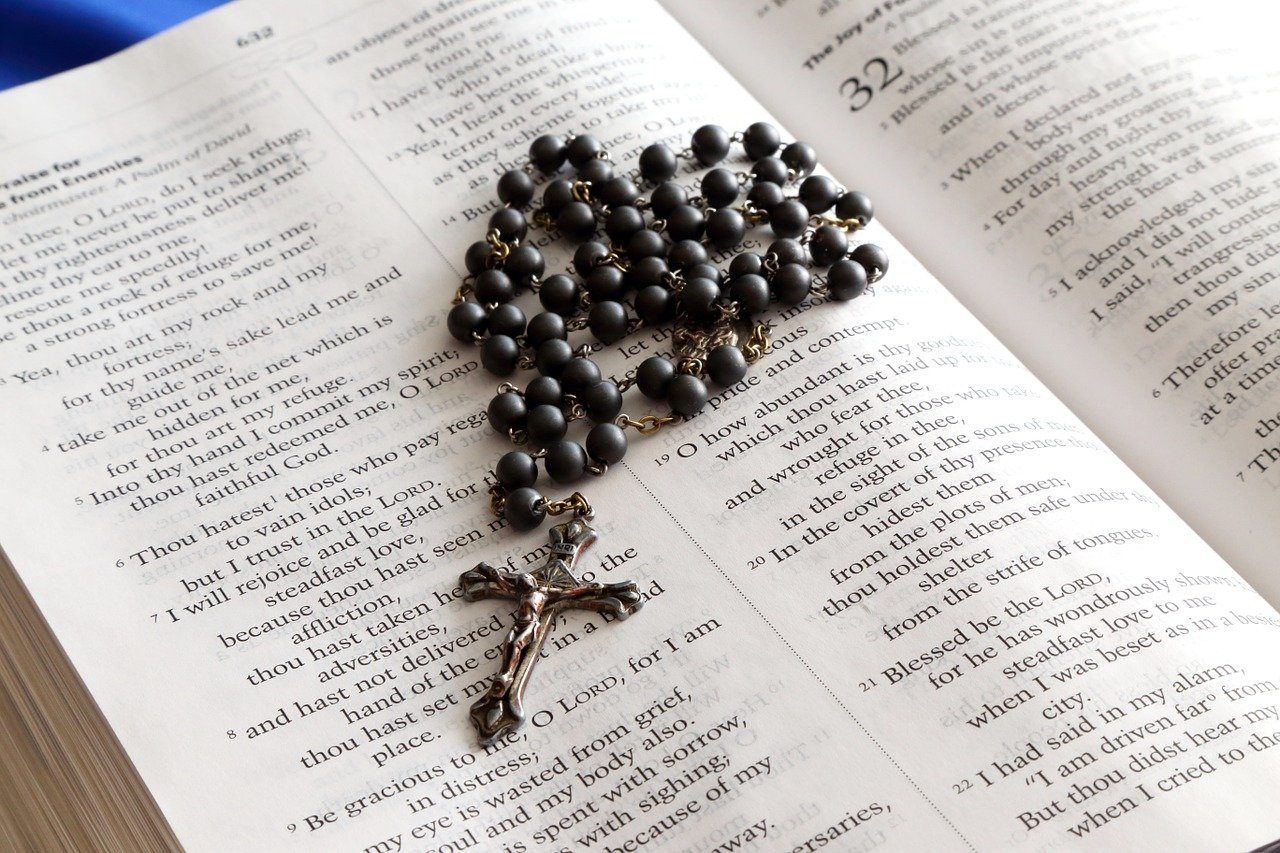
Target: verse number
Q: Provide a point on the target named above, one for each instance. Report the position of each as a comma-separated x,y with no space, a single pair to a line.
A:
962,786
254,37
877,74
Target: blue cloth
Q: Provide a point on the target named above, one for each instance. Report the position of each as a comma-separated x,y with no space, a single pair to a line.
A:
43,37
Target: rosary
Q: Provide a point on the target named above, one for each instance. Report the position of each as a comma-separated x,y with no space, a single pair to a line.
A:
655,268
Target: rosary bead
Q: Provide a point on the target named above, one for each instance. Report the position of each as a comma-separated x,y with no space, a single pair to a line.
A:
710,144
791,284
686,394
789,219
760,140
618,192
726,228
552,356
577,221
873,259
602,401
510,224
548,153
658,163
654,375
698,298
685,253
655,304
543,327
608,322
499,354
646,272
543,391
546,425
556,195
846,280
788,251
516,470
686,222
559,293
578,374
515,188
465,320
751,292
769,170
607,443
666,197
588,256
477,257
646,244
507,320
525,509
622,222
854,205
818,193
766,195
703,271
566,461
606,283
828,245
726,365
493,287
523,264
800,157
747,263
598,173
583,149
507,411
720,187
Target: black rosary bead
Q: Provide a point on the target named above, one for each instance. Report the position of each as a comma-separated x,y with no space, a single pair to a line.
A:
818,193
686,253
566,461
769,170
597,173
789,219
646,244
800,158
583,149
507,411
686,222
608,322
747,263
607,443
873,259
791,284
466,320
726,228
510,224
516,470
556,195
828,245
710,144
666,197
655,305
548,153
499,354
493,287
559,293
543,391
766,195
761,140
515,188
646,272
578,374
698,298
546,425
523,264
507,320
606,283
654,375
686,394
854,205
658,163
552,357
622,222
602,401
588,256
788,251
477,257
751,292
576,221
546,326
703,271
525,509
618,192
720,187
846,280
726,365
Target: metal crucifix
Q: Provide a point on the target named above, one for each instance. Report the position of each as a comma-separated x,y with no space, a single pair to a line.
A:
541,594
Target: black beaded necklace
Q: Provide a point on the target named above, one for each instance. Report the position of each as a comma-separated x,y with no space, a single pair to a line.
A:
655,268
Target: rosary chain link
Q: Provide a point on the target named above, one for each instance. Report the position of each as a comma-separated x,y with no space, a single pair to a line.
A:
758,345
576,503
647,425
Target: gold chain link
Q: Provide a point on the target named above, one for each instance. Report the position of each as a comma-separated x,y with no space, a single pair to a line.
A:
846,225
576,503
582,191
759,344
497,500
499,251
647,425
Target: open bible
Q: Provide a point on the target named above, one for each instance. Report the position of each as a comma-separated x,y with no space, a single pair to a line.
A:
981,560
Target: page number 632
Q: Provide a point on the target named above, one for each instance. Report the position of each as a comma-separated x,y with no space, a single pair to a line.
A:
877,75
254,37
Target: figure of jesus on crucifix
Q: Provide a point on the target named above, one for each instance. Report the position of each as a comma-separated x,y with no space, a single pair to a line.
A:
540,595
